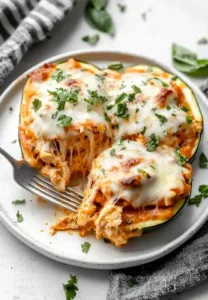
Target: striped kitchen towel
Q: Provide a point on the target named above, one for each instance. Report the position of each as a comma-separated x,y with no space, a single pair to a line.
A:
23,23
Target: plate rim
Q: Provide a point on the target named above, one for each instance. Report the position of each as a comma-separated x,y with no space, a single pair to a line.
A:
121,262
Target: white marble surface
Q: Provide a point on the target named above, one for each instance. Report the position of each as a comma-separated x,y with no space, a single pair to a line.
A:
27,275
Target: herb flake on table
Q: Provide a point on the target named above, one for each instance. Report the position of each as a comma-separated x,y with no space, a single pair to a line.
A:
203,41
186,61
91,40
85,247
203,161
19,217
18,201
71,288
36,104
10,109
14,141
122,7
196,200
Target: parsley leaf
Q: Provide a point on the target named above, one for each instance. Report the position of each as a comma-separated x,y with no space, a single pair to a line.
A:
36,104
94,99
153,143
161,118
181,159
203,41
59,76
203,189
107,118
64,120
71,288
136,88
19,201
91,40
120,98
85,247
122,111
14,141
112,152
117,66
144,130
195,200
168,107
174,78
203,161
184,108
164,84
189,119
19,217
61,96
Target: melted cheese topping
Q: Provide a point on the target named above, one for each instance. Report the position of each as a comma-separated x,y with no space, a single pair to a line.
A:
129,172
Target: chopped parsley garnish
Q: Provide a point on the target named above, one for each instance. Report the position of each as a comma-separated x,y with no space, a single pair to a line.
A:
143,103
91,40
59,75
95,98
153,143
174,115
151,166
103,171
13,142
136,89
18,201
36,104
110,106
144,173
161,118
203,161
189,119
132,282
174,78
107,117
137,110
61,96
181,159
144,130
149,69
131,97
112,152
54,115
85,247
64,120
203,41
184,108
168,107
122,86
122,7
122,111
116,126
203,189
124,148
116,67
71,287
164,84
19,217
154,109
119,142
195,200
101,77
120,98
10,109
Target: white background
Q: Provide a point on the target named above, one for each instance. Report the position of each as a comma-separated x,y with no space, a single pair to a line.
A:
27,275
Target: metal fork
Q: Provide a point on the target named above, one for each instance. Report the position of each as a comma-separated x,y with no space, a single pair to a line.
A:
31,180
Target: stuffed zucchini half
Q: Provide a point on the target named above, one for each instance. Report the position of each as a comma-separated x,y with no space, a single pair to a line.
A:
72,112
129,190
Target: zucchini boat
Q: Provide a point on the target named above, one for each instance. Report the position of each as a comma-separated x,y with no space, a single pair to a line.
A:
71,112
130,190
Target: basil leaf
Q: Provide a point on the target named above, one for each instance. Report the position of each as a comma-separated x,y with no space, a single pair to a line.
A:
91,40
85,247
36,104
99,19
64,121
98,4
117,66
184,55
71,288
203,161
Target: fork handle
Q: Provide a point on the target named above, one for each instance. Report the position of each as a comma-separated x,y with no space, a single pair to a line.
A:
8,156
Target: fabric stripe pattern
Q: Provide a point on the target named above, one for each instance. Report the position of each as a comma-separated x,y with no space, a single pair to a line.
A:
23,23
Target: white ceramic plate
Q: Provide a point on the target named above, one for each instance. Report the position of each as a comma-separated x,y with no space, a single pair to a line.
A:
38,217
